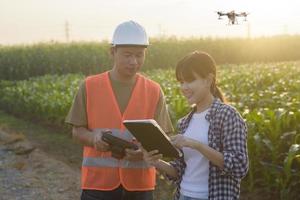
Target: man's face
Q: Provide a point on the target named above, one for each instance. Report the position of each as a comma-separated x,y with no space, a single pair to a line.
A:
128,60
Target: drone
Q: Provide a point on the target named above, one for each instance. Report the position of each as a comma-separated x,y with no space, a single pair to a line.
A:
232,16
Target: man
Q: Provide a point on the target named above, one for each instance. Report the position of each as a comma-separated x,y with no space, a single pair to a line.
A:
102,103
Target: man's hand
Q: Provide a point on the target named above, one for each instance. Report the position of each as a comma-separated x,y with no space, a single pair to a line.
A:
133,155
98,143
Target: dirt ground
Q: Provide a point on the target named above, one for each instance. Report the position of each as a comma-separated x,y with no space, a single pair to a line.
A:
27,172
37,168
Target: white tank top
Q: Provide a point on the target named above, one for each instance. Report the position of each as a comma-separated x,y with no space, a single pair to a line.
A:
195,179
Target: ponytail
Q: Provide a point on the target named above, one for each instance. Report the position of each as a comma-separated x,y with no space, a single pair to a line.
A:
217,92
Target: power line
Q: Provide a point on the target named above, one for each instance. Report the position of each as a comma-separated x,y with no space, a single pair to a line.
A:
67,29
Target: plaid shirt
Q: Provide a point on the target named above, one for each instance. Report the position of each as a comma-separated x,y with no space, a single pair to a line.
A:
227,133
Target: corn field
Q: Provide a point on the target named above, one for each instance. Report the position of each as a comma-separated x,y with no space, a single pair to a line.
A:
22,62
267,96
39,82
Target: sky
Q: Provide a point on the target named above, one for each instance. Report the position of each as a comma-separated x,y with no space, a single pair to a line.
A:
33,21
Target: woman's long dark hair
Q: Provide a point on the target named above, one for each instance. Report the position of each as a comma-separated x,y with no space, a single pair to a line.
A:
202,64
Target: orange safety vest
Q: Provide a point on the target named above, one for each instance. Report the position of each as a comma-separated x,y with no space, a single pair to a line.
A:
100,171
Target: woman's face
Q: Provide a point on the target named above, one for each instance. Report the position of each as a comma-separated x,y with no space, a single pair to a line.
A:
195,91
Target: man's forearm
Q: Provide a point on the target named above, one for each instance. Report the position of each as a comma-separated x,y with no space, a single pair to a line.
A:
83,136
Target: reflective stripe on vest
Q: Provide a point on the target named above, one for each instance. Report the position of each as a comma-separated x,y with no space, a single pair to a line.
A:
100,162
112,162
99,170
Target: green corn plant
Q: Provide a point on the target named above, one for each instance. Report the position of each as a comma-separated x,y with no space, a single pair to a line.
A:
267,96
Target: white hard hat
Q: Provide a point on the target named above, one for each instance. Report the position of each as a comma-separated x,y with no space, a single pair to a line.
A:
130,33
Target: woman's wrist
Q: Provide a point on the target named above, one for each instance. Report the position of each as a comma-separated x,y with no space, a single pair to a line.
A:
193,144
161,165
158,164
190,143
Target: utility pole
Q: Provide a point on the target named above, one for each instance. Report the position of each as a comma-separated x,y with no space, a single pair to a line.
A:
67,29
160,34
285,29
248,30
161,31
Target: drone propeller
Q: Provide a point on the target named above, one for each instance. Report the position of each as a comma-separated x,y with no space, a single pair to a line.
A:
220,13
232,16
244,14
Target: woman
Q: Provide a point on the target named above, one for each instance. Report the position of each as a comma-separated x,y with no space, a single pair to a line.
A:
213,137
